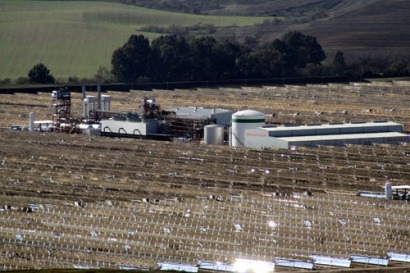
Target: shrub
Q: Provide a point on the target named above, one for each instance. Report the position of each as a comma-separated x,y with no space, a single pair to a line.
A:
6,81
22,80
73,79
40,74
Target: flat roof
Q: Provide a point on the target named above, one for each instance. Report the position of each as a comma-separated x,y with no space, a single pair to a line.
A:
331,126
342,137
197,112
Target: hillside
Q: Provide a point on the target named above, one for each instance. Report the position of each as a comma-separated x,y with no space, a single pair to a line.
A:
221,7
75,38
358,28
377,28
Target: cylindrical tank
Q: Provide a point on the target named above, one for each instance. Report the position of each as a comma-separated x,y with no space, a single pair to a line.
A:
89,105
243,120
214,134
31,122
388,190
85,108
106,103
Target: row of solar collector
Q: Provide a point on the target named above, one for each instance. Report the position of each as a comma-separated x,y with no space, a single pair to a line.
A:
241,264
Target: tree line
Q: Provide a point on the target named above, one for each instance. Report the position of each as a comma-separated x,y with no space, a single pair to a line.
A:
174,58
188,6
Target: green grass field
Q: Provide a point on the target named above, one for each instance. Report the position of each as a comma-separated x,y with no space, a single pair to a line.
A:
74,38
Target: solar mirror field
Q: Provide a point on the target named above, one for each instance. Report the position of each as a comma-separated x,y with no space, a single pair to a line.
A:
80,201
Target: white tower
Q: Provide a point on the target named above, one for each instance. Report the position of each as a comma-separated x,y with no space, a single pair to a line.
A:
106,103
243,120
31,122
89,105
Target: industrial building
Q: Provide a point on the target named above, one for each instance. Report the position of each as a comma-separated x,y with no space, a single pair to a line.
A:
196,123
217,115
339,134
187,123
129,125
247,128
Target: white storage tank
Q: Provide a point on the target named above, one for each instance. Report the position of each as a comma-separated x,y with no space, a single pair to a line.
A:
214,134
106,103
89,106
244,120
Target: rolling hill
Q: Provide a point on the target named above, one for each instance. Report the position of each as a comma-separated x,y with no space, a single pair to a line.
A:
75,38
358,28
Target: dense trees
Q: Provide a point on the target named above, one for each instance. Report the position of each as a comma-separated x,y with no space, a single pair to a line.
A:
227,55
297,51
203,59
169,60
129,62
40,74
176,58
173,58
369,66
339,59
265,63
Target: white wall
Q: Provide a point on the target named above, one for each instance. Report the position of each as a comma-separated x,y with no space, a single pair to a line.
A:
127,127
257,138
223,118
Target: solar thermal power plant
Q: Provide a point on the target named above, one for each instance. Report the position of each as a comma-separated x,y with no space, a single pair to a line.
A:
86,201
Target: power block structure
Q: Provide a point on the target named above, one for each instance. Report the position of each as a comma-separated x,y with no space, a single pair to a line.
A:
63,121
